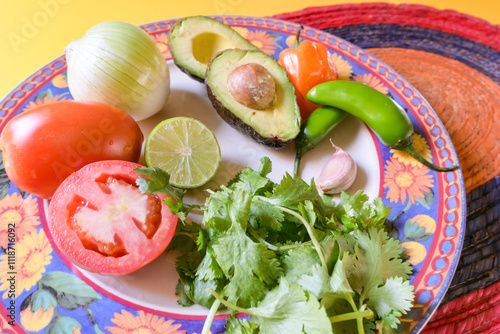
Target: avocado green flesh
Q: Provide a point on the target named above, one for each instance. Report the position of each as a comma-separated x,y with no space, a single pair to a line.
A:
275,127
195,40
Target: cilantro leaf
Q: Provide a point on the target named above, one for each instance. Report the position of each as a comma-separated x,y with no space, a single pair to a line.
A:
292,191
266,166
200,290
264,169
154,180
182,290
208,268
378,258
331,250
227,207
339,284
187,264
336,295
250,266
316,282
376,262
157,181
266,215
356,212
328,288
216,215
240,326
239,207
289,309
300,261
391,300
196,291
185,238
306,209
251,181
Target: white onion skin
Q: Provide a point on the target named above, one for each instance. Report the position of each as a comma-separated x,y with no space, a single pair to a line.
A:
119,64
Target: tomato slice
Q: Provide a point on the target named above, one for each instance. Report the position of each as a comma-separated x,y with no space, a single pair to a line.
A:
103,223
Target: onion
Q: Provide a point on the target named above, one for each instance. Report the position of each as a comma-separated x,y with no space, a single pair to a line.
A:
118,63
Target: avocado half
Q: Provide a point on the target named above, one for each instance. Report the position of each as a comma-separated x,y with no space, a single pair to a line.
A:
195,40
275,127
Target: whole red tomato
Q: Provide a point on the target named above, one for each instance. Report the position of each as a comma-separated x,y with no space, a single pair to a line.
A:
100,220
44,145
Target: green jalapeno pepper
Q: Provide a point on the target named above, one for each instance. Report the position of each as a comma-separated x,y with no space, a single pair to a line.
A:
317,127
384,116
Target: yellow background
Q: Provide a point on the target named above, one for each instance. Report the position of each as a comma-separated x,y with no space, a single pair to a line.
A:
34,32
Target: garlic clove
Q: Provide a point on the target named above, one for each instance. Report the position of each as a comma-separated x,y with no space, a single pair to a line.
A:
338,174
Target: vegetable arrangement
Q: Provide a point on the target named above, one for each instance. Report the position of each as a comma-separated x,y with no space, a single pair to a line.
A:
284,253
291,258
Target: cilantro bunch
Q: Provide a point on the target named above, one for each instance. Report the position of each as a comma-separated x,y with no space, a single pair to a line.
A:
294,260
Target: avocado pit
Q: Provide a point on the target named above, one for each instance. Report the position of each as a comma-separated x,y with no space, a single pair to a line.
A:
253,86
277,125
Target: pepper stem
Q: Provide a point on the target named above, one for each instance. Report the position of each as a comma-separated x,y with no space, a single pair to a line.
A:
297,37
296,166
410,150
302,145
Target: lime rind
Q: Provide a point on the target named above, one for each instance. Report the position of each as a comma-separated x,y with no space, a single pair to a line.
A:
186,149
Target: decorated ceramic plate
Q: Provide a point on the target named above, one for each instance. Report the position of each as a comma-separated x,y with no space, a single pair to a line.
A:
41,290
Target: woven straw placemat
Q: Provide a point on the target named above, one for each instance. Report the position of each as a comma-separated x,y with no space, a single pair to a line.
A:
453,60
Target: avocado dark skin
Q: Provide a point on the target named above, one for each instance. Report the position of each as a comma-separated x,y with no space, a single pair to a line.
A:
191,75
236,123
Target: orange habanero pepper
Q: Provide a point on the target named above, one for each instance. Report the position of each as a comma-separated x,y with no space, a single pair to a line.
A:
307,65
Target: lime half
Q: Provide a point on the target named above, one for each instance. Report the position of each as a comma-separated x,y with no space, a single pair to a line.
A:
186,149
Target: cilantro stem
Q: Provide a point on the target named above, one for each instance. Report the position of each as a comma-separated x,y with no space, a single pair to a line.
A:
187,208
352,315
269,245
311,235
288,247
359,321
189,235
210,317
361,328
352,303
260,239
226,303
193,206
